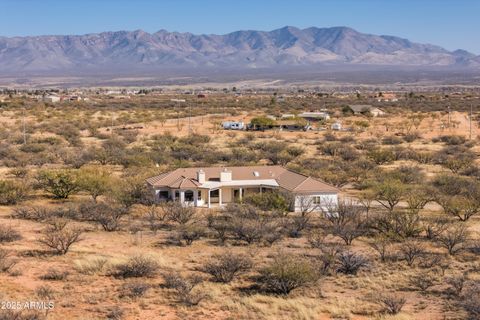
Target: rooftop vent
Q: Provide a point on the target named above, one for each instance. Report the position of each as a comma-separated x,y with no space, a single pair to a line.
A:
256,174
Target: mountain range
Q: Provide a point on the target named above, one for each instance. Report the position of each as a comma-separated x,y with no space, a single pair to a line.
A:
288,47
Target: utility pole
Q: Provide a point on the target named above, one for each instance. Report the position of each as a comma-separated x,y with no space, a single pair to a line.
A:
189,118
24,128
471,114
448,125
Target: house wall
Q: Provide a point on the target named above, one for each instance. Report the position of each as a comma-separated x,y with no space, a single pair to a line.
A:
326,200
227,195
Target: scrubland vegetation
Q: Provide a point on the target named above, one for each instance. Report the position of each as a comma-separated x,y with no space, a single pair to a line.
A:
79,227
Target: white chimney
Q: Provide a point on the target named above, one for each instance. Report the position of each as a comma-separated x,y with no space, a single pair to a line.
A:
225,175
201,176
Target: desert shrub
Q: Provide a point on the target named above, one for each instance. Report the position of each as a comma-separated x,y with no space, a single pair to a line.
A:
90,266
471,299
347,220
188,233
457,195
410,137
115,313
6,263
423,280
434,227
350,263
12,192
8,234
381,156
21,315
411,250
108,216
269,201
220,224
454,239
54,274
456,283
392,140
382,246
286,273
95,181
389,192
136,267
185,288
453,139
61,241
178,213
249,224
392,303
60,183
134,289
396,225
327,260
19,173
224,267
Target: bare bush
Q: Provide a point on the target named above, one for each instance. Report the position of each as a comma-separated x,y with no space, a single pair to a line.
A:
178,213
188,233
454,239
108,216
221,226
392,303
136,267
456,283
185,288
224,267
347,220
423,280
8,234
411,250
6,263
382,246
436,226
61,241
471,299
134,289
350,263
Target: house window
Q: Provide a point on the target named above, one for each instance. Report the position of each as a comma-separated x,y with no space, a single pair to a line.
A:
215,193
317,200
199,194
163,195
177,195
189,195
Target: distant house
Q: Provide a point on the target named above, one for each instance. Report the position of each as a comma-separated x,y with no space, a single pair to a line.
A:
233,125
387,97
314,116
51,98
366,108
217,186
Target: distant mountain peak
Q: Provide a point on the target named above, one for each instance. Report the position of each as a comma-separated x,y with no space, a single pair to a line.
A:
288,46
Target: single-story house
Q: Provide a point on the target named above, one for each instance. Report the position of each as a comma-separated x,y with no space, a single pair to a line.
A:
314,116
366,108
51,98
217,186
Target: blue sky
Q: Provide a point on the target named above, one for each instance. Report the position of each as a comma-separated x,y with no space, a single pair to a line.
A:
452,24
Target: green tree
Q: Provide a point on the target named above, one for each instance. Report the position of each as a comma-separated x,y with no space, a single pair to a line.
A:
96,181
60,183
